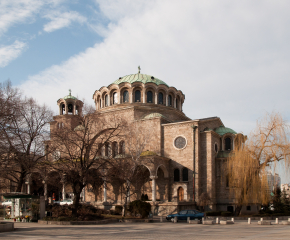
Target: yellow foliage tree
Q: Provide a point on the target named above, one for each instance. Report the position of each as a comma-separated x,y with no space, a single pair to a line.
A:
247,165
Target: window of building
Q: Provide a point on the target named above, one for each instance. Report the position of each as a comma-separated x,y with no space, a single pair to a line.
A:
122,147
137,96
149,97
70,108
216,147
106,149
248,208
106,100
115,98
160,98
126,96
228,144
100,103
180,142
176,103
185,174
169,100
176,175
114,149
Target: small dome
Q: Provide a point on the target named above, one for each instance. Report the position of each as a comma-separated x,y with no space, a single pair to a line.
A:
79,128
69,96
144,78
224,130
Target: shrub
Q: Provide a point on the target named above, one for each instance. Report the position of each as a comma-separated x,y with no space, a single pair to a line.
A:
140,207
213,213
118,209
226,214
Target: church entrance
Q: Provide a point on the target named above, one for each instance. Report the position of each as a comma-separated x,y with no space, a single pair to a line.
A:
180,193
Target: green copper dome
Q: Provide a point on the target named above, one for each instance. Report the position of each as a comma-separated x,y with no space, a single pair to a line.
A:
144,78
223,130
70,96
138,77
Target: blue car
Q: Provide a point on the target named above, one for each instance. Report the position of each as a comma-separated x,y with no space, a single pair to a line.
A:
184,214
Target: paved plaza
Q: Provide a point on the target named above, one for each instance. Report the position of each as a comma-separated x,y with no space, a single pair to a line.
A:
240,230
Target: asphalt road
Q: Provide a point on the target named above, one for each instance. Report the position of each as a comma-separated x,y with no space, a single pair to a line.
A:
239,230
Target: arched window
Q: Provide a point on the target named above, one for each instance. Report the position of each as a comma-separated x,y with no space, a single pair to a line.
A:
126,96
100,103
63,109
160,98
106,100
176,175
106,149
70,108
228,144
137,96
149,97
115,98
114,149
122,147
185,174
176,103
169,100
99,149
109,150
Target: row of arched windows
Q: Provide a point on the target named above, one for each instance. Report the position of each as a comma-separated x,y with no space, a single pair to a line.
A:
111,149
171,100
177,175
60,125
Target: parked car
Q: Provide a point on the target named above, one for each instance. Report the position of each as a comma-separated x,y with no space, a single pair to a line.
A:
7,203
66,201
184,214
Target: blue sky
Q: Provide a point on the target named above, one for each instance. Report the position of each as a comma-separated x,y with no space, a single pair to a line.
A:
230,58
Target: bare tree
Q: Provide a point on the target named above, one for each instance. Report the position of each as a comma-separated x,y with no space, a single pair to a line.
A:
23,128
127,169
247,165
204,200
80,149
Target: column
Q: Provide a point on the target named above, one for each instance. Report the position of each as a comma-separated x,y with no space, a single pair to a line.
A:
105,191
74,109
63,191
45,190
60,109
166,100
156,98
66,108
153,188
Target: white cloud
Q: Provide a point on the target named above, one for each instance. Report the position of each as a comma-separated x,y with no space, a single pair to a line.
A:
11,52
230,58
17,11
20,11
62,19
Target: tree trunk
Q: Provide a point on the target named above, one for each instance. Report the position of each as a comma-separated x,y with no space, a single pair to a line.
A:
126,199
238,210
76,202
20,182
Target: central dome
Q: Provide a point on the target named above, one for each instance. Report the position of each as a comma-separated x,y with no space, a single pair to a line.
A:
138,77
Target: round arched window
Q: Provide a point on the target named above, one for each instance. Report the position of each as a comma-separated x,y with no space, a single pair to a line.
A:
137,96
149,97
126,96
180,142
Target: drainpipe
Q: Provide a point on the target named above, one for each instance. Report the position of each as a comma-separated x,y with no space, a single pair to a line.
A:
194,128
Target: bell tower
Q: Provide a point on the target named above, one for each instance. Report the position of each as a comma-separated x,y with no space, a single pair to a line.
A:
69,105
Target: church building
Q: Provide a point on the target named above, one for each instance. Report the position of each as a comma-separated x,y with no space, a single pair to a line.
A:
188,155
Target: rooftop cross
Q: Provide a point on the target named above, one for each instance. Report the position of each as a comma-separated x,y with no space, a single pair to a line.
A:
69,92
139,69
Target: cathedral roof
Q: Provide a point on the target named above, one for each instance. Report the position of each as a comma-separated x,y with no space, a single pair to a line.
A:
223,130
139,77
